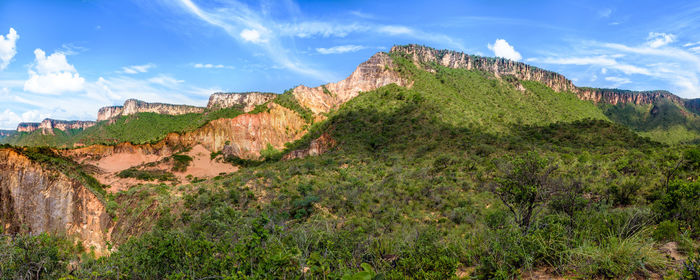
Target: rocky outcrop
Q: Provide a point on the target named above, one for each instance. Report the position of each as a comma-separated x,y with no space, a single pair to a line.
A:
616,96
374,73
317,146
424,56
133,106
27,126
246,100
47,125
245,135
34,199
5,133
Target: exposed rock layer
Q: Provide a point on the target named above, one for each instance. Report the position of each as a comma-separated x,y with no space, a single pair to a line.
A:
374,73
47,125
34,199
247,100
133,106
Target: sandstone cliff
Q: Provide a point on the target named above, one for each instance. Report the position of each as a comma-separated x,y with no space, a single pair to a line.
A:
423,56
133,106
27,127
5,133
34,199
246,100
376,72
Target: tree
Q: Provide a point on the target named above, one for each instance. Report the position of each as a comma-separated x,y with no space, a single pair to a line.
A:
524,186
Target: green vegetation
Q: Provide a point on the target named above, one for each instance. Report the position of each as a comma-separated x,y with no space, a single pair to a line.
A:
460,173
290,102
663,121
147,175
141,128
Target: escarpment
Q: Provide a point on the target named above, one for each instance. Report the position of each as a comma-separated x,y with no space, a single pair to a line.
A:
374,73
47,126
423,56
245,100
34,199
133,106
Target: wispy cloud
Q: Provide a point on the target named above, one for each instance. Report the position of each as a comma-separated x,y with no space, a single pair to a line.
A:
211,66
135,69
340,49
654,59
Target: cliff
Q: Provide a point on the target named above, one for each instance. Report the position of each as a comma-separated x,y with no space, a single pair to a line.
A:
374,73
424,56
246,101
5,133
47,125
34,199
133,106
27,127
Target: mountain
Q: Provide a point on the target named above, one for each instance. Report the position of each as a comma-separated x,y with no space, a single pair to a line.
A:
412,167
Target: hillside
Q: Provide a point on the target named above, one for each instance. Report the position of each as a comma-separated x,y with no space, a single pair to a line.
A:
423,164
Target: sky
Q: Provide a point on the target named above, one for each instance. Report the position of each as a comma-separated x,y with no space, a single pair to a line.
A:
65,59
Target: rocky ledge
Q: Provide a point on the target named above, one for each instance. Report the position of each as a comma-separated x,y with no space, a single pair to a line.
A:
133,106
245,100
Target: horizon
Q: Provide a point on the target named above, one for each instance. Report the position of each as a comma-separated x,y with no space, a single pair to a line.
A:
91,54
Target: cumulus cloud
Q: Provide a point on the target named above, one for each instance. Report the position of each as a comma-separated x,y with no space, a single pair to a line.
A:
135,69
656,39
252,35
53,75
340,49
8,47
10,119
501,48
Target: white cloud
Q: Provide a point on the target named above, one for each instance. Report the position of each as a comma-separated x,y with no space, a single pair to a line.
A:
605,13
135,69
618,80
501,48
603,60
166,81
10,119
53,75
340,49
603,70
656,39
252,35
209,66
8,47
396,30
308,29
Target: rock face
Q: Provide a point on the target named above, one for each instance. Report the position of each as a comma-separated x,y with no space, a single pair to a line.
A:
34,199
421,55
47,125
133,106
247,100
616,96
5,133
246,134
317,146
376,72
27,127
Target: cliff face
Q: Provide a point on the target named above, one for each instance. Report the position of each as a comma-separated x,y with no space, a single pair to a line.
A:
133,106
497,66
246,134
370,75
27,127
34,199
5,133
615,96
247,100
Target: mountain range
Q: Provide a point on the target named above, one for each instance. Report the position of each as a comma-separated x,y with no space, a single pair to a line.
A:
397,171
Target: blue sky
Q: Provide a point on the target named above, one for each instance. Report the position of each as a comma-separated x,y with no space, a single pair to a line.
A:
65,59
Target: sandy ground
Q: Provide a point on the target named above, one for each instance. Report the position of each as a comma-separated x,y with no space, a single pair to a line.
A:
201,167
